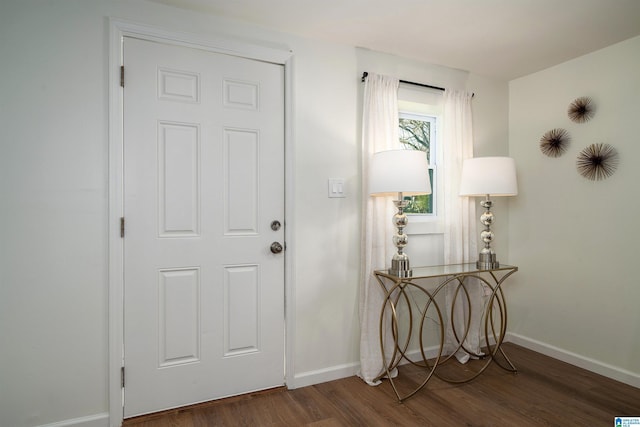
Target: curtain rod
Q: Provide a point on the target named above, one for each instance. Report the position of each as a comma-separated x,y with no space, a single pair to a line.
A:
365,74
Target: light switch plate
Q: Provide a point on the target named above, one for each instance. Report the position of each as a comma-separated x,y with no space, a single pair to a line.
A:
336,187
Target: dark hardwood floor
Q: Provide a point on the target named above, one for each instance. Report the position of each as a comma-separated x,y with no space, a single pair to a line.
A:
544,392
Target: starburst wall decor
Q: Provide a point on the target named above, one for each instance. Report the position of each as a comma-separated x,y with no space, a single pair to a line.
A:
581,110
554,142
597,161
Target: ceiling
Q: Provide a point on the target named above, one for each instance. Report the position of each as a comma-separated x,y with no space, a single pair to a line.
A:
503,39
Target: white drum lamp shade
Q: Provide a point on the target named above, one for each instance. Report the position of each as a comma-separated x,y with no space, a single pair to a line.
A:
489,175
399,171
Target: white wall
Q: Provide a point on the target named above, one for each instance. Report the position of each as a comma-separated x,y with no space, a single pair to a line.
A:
54,191
576,294
53,310
326,245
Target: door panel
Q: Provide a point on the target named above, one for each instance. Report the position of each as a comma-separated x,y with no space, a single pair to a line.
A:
203,179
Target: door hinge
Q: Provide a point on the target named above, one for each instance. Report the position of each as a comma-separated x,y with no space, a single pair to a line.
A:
122,226
122,75
122,377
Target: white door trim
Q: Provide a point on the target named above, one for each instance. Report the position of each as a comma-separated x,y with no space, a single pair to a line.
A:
117,30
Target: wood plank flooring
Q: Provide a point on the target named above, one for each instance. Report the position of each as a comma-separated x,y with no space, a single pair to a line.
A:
544,392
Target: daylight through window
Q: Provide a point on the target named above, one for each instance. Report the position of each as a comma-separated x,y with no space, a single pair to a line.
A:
417,132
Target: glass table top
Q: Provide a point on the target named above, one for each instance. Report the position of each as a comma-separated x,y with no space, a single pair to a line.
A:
447,270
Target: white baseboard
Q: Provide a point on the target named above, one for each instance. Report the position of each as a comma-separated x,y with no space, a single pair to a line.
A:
347,370
609,371
97,420
323,375
342,371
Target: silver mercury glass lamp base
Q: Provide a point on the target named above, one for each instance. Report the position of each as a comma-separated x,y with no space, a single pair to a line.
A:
487,262
487,258
400,261
400,266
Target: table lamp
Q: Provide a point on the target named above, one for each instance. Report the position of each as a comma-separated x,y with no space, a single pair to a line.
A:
399,172
488,176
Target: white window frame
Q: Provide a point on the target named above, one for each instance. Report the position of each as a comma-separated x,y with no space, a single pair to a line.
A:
430,109
433,149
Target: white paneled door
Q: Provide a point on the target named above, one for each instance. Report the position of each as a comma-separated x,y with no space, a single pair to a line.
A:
203,182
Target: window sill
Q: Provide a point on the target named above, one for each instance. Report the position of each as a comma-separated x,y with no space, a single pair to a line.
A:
420,225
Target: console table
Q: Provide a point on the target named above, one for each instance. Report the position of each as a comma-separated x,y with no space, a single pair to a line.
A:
411,304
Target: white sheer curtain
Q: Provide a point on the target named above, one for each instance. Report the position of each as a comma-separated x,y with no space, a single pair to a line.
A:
379,132
460,239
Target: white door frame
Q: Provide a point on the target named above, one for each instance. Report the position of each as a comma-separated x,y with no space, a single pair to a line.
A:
117,30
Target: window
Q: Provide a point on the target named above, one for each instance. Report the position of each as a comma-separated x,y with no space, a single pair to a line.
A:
418,132
425,106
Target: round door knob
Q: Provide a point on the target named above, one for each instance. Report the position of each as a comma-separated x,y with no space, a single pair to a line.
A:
276,247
